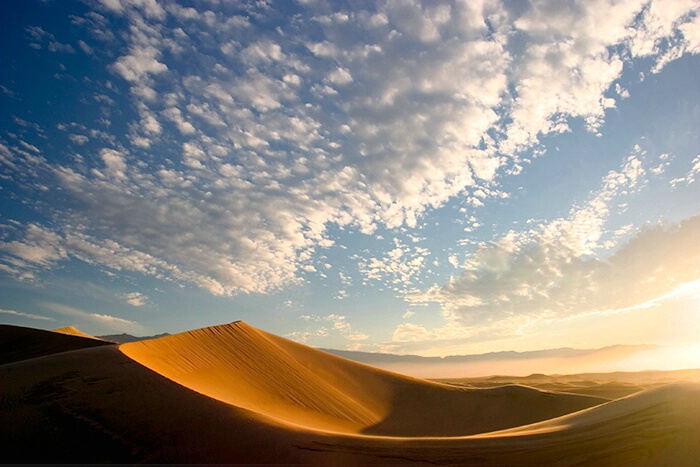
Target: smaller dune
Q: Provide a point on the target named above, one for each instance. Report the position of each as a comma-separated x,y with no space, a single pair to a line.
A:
72,331
19,343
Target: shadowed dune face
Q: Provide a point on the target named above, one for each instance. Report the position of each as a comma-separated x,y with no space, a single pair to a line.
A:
278,378
96,405
20,343
655,428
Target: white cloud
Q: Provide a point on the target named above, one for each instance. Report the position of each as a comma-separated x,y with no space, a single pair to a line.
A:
100,319
113,320
175,115
85,47
692,174
41,38
665,31
234,165
78,139
340,76
136,299
25,315
38,248
139,64
397,269
407,332
330,325
115,164
453,260
540,276
342,294
60,47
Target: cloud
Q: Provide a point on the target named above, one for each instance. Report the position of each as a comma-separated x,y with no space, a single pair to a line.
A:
692,174
41,38
104,320
561,268
136,299
113,320
408,332
331,325
78,139
665,32
247,139
569,59
38,249
399,267
510,284
85,47
25,315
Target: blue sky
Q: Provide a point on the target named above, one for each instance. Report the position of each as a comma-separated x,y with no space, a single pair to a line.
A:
437,178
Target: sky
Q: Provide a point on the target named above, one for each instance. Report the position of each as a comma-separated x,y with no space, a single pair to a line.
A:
437,178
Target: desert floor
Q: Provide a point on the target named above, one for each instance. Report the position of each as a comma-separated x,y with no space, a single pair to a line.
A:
236,394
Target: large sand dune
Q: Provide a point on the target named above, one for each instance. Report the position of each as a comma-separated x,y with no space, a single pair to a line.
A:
267,374
236,394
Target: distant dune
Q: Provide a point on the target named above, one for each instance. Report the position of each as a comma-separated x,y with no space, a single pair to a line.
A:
20,343
235,394
71,331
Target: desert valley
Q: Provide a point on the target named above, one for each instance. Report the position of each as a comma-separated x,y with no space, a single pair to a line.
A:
236,394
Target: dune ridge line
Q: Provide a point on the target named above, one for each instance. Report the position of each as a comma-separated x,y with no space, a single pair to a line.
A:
298,385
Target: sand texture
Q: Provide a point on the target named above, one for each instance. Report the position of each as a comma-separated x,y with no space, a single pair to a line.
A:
235,394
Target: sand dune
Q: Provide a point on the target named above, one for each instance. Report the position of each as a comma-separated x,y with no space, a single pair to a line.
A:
606,385
657,427
20,343
267,374
235,394
72,331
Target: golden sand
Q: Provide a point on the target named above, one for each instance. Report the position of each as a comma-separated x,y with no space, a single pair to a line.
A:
235,394
71,331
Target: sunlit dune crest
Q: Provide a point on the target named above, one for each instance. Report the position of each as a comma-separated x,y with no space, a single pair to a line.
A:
72,331
270,375
236,394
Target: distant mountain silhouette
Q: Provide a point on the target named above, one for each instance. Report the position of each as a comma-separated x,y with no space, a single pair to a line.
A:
372,358
124,337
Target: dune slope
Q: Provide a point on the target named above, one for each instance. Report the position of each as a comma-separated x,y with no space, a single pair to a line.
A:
656,427
270,375
20,343
96,405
